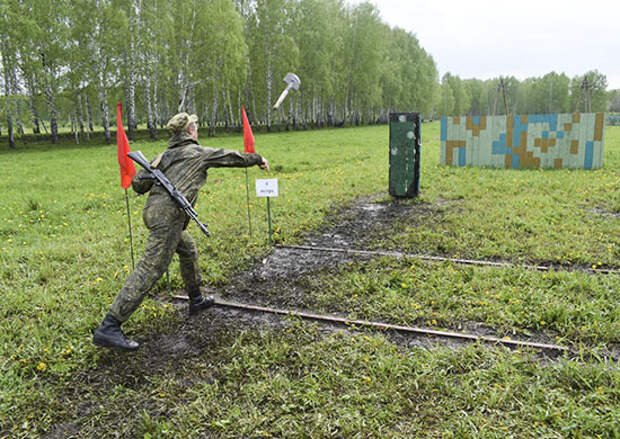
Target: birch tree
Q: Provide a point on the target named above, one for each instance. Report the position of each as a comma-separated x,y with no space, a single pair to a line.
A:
7,56
157,33
219,55
272,50
47,42
363,53
316,33
6,66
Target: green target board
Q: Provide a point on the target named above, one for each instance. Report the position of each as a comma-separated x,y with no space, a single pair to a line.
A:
404,154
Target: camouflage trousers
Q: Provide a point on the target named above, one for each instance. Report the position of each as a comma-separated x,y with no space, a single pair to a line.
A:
165,223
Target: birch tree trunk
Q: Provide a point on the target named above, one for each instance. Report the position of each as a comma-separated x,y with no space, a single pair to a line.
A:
50,100
269,79
89,114
297,111
289,119
213,111
254,117
103,106
239,108
329,113
16,91
80,114
131,103
165,111
134,30
18,120
151,126
78,129
156,115
100,61
9,107
231,115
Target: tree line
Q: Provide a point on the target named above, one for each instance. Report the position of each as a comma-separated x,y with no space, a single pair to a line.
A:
551,93
67,62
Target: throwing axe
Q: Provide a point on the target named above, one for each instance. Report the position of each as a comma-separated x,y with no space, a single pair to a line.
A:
292,81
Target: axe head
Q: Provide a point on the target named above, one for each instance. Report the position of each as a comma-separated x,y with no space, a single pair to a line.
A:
292,81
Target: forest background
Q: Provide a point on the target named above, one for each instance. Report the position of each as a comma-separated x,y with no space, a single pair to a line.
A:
65,63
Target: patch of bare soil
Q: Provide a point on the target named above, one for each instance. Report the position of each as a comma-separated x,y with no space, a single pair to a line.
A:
606,213
280,278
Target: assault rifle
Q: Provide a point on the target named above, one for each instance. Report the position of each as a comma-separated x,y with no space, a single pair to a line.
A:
159,177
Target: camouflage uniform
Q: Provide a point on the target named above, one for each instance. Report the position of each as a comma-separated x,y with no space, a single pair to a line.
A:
185,163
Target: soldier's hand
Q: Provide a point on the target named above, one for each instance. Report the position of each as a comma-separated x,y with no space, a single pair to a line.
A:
264,165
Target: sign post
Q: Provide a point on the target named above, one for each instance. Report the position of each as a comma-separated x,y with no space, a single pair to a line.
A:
267,188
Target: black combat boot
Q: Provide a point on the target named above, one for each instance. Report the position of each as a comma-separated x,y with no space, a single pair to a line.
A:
198,302
109,335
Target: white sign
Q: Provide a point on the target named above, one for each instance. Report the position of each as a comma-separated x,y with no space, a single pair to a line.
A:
267,188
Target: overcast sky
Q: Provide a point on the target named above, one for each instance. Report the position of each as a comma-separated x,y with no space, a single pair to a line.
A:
484,38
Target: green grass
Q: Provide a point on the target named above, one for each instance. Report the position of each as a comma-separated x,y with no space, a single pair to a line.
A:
557,216
570,307
64,254
297,383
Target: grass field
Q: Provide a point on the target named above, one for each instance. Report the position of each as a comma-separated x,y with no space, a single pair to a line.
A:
65,254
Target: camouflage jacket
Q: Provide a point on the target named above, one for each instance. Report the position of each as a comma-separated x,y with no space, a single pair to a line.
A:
185,163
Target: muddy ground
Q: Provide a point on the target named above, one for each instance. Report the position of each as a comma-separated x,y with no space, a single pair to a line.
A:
284,271
279,280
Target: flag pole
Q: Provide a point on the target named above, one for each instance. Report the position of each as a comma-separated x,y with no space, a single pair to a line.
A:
247,193
128,169
248,147
130,233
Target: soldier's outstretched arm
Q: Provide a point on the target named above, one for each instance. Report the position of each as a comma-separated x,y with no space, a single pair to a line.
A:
228,158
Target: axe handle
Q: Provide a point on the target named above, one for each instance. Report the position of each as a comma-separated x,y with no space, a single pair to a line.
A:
281,98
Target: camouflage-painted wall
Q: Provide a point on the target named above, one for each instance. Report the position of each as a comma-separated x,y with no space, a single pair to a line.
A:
524,141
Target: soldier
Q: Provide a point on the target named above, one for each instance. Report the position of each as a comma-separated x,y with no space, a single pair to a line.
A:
185,163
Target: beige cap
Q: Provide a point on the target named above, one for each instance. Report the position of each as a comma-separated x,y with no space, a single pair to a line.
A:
180,122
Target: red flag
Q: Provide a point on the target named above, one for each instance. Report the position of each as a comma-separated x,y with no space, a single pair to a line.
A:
128,170
248,137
